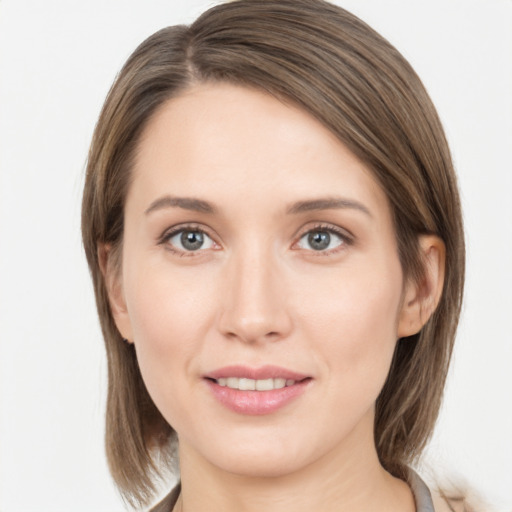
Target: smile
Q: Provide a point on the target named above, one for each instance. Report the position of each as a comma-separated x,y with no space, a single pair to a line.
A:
256,391
253,384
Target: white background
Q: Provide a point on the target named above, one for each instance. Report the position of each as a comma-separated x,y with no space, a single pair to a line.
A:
57,61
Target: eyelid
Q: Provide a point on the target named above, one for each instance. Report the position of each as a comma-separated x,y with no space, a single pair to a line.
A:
172,231
344,234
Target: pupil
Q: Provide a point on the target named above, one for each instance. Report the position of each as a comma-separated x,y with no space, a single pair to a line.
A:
319,240
192,240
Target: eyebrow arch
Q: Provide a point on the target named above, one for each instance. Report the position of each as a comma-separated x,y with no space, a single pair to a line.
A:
327,203
187,203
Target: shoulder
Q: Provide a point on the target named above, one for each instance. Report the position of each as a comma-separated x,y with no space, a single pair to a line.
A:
444,504
446,498
168,502
459,502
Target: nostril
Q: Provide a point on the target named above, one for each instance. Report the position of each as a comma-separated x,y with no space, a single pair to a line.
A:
253,322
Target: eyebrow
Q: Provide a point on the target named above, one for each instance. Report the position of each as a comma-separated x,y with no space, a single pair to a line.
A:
327,203
202,206
187,203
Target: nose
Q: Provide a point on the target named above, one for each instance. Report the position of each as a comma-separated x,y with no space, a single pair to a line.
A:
254,301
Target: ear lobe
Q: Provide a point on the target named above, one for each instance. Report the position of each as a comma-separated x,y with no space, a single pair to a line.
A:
421,298
110,267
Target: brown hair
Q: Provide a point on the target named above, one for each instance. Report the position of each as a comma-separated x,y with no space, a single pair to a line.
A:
342,72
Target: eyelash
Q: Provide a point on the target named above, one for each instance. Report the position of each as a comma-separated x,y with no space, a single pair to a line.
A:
168,235
346,239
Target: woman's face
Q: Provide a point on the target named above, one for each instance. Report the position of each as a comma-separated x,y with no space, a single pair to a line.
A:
260,282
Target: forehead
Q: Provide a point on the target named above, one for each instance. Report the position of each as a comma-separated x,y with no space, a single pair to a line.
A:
219,139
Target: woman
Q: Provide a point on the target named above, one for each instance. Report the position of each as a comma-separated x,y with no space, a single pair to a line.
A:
272,223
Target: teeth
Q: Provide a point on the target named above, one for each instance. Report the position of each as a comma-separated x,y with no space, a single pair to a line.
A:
232,382
254,385
281,383
265,385
246,384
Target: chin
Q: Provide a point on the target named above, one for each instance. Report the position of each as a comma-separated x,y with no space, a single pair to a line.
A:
267,456
261,467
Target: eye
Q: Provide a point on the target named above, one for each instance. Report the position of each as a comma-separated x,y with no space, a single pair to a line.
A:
322,240
188,240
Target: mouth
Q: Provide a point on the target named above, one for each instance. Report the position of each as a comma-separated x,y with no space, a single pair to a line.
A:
244,384
256,391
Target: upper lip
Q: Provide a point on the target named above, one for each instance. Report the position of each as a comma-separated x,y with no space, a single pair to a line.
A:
260,373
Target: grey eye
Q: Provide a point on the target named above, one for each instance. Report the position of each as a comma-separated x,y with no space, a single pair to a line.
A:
320,240
190,240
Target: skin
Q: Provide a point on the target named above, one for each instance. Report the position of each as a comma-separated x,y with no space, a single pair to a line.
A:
258,293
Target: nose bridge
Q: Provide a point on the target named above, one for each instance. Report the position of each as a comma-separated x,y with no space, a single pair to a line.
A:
254,304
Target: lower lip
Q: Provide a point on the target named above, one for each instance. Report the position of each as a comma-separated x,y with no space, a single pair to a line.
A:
256,403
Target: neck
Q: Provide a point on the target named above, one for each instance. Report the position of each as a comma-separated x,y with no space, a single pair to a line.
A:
346,478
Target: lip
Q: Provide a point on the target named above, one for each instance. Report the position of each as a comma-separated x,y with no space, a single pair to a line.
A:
256,403
263,372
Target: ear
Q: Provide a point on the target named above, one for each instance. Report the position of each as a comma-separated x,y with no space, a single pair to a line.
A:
110,266
420,299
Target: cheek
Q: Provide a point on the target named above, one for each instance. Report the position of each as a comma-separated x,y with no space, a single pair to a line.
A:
167,308
354,318
170,313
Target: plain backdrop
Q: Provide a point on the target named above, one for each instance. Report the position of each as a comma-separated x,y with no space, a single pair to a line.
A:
57,61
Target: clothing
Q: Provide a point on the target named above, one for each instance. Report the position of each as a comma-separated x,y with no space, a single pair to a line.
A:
167,504
421,493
